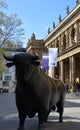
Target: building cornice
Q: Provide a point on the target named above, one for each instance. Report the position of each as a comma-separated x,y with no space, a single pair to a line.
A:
65,21
69,52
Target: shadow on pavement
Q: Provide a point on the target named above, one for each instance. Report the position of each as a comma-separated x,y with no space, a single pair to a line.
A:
71,104
32,124
9,117
68,125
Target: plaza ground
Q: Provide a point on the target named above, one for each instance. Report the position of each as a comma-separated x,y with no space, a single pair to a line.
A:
9,116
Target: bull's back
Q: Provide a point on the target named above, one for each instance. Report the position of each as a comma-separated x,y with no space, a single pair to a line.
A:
60,87
57,84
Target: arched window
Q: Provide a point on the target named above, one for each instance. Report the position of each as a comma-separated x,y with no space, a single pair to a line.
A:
73,36
57,45
64,41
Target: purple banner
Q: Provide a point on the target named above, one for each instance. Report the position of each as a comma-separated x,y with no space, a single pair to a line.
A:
45,61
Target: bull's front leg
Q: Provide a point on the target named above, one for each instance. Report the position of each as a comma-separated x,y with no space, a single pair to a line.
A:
42,119
22,117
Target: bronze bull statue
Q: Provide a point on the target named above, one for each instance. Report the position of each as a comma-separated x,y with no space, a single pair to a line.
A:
36,92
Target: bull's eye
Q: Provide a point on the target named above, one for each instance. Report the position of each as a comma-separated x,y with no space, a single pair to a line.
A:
9,64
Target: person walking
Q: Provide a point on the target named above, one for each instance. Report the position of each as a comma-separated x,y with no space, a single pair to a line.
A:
78,88
67,88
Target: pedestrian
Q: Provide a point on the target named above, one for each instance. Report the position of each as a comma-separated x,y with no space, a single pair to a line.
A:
67,87
78,86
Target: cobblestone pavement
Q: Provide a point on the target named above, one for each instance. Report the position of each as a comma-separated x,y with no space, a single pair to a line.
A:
9,116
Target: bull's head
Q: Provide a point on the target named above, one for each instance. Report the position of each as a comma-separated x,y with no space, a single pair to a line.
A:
22,58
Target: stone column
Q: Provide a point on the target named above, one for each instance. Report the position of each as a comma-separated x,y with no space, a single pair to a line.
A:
59,43
50,71
76,32
67,38
55,43
61,70
78,25
10,87
72,71
53,72
70,38
62,47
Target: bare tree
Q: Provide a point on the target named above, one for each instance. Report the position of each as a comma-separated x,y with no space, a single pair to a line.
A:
10,27
11,31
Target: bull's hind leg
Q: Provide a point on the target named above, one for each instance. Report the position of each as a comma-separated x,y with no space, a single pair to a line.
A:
22,117
60,110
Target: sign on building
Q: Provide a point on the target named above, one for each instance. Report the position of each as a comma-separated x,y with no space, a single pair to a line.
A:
45,61
53,57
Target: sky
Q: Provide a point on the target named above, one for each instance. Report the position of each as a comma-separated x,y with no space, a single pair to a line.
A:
38,15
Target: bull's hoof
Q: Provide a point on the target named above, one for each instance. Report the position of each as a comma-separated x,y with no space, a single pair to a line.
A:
41,128
20,128
60,121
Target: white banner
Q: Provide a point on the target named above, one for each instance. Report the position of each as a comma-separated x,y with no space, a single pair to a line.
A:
53,57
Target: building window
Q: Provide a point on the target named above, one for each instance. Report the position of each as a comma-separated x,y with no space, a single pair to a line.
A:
5,83
57,45
73,36
8,78
0,77
64,41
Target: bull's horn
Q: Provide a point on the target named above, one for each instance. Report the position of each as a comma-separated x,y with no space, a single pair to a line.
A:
9,57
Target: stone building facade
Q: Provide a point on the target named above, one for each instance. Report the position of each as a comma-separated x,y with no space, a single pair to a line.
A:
36,46
7,78
66,37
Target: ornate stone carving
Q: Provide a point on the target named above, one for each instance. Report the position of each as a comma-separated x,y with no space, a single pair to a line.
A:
48,30
67,10
53,25
60,18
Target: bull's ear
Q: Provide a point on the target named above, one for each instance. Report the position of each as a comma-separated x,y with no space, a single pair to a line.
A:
36,63
9,64
35,57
